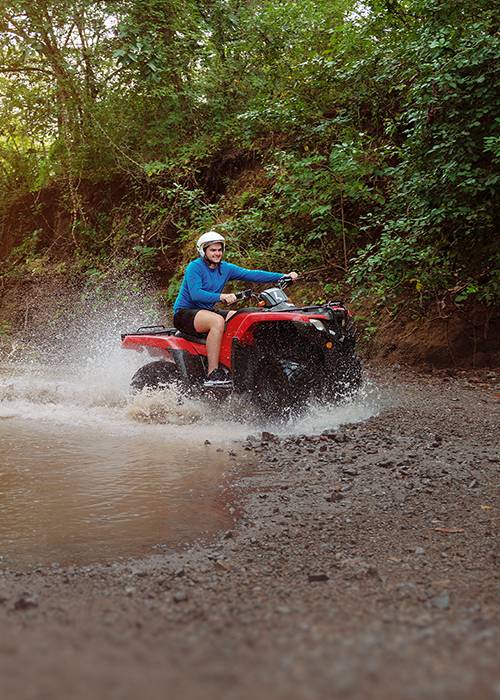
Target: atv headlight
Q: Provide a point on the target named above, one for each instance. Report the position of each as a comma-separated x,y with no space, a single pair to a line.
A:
319,325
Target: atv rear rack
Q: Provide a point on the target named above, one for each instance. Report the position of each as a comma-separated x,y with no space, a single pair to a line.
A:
152,330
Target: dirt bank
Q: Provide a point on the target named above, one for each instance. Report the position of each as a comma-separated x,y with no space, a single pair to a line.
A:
445,335
362,565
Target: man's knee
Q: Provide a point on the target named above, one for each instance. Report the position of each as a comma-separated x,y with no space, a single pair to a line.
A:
217,323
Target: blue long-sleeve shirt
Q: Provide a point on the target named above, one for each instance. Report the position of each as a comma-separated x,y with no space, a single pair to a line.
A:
202,285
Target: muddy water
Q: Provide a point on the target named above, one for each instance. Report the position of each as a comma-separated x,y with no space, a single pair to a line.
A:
89,473
77,494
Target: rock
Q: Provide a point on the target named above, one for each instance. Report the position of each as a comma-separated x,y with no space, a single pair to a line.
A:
26,601
442,601
317,577
350,471
283,610
334,496
222,566
180,597
419,550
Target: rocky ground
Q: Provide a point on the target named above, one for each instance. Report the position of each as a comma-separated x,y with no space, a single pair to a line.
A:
362,564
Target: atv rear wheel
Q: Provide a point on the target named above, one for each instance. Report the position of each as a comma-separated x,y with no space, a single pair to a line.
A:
154,375
281,388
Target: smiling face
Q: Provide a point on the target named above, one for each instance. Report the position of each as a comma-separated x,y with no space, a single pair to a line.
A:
213,253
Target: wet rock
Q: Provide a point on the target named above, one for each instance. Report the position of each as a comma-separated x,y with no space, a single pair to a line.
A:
269,437
334,435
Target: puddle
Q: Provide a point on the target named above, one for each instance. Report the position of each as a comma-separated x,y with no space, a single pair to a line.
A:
78,495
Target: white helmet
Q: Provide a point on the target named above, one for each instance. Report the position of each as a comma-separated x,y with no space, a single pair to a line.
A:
207,239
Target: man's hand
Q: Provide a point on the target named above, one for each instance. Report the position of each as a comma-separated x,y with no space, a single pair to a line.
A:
293,275
228,298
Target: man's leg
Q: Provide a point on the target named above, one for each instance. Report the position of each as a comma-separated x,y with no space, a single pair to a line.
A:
213,324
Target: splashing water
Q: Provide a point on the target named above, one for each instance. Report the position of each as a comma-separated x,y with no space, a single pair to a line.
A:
90,471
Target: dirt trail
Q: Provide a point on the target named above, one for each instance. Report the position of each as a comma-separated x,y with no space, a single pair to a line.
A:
362,564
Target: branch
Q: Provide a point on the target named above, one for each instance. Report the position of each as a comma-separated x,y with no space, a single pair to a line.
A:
25,69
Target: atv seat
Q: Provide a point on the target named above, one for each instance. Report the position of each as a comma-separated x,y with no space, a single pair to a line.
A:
198,338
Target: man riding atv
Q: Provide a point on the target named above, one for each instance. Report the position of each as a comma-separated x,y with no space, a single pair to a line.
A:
201,288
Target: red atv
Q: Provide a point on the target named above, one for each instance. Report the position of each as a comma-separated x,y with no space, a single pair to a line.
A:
278,354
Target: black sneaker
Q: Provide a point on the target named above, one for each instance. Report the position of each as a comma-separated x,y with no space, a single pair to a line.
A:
218,379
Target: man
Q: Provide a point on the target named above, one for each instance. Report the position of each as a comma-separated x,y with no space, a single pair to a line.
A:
201,289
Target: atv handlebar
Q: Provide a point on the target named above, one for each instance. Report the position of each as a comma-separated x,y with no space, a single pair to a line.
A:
248,293
243,295
284,281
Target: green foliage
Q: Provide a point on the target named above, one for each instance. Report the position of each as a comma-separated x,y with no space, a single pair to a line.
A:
439,220
372,127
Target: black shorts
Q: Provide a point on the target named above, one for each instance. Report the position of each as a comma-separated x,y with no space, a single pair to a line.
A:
184,320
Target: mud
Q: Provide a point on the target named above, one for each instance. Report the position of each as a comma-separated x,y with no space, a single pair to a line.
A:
360,563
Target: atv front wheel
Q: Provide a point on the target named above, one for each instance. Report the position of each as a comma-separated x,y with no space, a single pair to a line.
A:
281,388
154,375
345,380
350,372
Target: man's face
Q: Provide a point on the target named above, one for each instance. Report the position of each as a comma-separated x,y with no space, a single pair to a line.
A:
214,252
